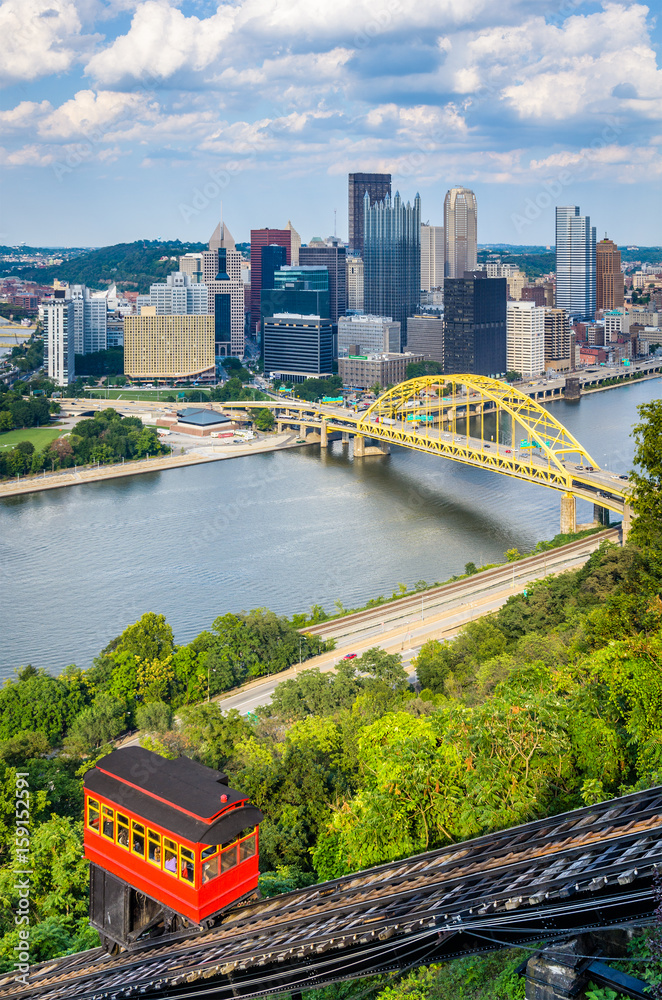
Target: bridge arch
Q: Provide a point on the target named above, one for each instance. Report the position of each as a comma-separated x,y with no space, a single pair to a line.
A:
454,400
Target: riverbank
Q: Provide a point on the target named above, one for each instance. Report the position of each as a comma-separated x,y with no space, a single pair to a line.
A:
622,382
211,452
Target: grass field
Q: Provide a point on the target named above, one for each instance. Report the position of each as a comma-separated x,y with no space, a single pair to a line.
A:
40,436
149,395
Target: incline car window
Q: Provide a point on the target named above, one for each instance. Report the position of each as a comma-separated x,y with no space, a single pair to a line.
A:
93,815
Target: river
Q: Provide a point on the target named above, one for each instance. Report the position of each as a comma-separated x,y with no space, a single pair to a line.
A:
283,530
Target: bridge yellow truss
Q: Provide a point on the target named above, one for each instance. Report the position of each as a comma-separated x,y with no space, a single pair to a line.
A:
474,420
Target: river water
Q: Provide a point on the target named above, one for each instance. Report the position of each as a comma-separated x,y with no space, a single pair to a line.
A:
284,530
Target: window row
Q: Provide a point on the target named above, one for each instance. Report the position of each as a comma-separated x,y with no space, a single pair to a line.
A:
163,852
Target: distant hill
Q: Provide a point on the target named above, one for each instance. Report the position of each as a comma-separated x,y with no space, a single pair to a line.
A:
131,266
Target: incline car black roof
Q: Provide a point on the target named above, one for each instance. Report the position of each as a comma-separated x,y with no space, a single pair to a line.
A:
132,776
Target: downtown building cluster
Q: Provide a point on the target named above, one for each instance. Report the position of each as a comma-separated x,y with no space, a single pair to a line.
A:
401,290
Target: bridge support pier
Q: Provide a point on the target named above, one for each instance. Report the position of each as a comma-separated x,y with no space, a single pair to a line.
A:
359,446
568,514
555,973
345,437
324,437
600,515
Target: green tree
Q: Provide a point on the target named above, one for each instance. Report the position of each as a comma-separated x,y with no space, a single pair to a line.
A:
646,479
264,420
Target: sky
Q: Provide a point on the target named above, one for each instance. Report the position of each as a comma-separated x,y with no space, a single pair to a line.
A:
130,119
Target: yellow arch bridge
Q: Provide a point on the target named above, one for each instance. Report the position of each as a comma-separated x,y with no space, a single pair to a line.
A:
470,419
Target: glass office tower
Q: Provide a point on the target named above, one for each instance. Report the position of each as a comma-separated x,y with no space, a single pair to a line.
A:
575,263
392,258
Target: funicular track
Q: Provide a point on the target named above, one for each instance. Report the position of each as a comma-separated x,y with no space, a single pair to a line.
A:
589,868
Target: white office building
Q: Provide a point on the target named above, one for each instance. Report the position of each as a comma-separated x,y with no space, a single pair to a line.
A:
432,257
179,296
575,263
89,319
525,338
59,340
355,286
367,335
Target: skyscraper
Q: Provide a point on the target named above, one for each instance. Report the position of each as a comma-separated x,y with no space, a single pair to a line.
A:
608,276
262,238
460,232
295,243
432,257
334,259
225,292
575,263
59,340
219,270
355,284
392,258
377,187
525,340
89,319
301,290
559,340
475,325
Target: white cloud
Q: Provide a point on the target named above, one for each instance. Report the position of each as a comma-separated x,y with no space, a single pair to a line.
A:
39,37
24,115
91,113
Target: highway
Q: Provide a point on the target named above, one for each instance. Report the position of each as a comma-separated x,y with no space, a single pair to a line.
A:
403,626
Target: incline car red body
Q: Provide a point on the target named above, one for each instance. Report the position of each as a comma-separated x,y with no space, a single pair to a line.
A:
172,830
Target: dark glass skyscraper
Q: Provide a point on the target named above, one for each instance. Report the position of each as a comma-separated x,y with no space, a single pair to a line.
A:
392,258
377,187
303,290
262,238
475,326
334,259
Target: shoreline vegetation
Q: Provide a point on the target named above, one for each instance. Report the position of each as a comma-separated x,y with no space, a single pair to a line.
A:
552,702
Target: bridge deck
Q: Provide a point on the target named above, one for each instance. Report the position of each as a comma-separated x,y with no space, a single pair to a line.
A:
589,868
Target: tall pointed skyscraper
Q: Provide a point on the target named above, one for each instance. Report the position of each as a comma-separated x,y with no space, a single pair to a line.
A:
392,258
295,244
460,232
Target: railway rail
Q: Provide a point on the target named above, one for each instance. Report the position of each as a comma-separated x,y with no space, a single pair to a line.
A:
437,596
589,868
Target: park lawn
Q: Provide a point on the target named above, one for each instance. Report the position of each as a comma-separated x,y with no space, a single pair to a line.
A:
40,436
155,395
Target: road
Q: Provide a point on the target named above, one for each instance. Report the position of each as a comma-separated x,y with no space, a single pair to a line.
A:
403,626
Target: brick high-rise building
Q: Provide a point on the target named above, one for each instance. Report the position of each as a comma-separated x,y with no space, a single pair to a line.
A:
264,238
377,187
609,277
559,340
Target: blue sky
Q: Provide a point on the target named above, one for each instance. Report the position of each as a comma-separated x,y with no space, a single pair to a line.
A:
122,119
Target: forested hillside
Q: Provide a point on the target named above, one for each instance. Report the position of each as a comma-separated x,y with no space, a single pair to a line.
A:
131,266
553,702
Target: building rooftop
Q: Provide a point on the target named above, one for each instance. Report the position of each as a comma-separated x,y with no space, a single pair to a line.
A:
201,418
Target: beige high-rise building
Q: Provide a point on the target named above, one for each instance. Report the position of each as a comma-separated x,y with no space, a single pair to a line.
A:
525,339
219,268
168,346
432,257
460,232
355,297
295,244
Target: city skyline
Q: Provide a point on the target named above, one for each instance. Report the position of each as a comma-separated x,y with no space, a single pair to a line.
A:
141,117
